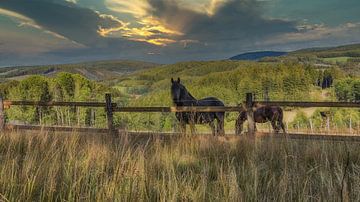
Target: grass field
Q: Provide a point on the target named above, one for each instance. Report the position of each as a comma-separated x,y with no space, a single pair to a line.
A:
44,167
336,59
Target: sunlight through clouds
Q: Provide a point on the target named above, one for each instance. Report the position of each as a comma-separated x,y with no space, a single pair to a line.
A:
137,8
146,28
151,29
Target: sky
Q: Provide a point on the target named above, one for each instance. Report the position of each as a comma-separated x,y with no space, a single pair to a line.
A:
168,31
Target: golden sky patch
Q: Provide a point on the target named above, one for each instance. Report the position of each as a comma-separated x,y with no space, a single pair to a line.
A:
150,29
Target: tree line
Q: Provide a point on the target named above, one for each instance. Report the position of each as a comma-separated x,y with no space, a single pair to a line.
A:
226,80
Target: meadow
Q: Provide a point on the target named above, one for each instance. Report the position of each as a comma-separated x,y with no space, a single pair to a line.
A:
336,59
74,167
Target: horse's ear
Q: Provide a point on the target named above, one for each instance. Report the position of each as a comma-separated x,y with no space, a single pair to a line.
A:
172,80
178,80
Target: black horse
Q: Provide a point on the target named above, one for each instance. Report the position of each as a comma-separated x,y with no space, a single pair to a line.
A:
263,114
182,97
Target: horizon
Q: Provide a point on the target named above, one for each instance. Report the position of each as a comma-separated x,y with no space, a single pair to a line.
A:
45,32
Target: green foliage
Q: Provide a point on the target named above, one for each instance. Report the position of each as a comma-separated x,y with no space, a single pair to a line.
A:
227,80
348,89
300,120
63,87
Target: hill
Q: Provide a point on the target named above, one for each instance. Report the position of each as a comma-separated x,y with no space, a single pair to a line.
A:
98,70
352,50
257,55
338,53
228,80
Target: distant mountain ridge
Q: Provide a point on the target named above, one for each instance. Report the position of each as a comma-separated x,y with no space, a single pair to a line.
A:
258,55
351,50
97,70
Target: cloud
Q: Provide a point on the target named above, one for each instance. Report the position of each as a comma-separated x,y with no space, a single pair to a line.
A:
66,19
317,34
16,42
234,20
211,22
137,8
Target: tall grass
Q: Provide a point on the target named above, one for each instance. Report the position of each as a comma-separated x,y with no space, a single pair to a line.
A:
43,167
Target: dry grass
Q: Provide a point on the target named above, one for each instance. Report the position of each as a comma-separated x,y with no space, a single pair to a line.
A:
45,167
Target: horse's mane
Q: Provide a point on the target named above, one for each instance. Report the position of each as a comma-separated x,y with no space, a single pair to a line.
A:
257,105
189,94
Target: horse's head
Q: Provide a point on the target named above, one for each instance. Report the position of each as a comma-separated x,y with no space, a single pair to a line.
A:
176,90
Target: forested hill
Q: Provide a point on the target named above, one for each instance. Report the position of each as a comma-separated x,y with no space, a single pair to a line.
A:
99,70
352,50
257,55
228,80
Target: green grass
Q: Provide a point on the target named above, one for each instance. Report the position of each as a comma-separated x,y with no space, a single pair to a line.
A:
44,167
336,59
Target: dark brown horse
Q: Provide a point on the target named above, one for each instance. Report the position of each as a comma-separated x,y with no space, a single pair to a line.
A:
262,114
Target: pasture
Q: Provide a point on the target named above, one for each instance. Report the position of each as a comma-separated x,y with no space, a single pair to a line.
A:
73,167
334,60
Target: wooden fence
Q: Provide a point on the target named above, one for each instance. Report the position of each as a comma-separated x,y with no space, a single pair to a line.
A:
111,108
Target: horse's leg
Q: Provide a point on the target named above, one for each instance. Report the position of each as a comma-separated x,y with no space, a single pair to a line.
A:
274,126
220,123
183,128
238,127
280,120
213,129
193,121
282,126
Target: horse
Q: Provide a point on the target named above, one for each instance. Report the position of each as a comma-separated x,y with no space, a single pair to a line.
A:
263,114
182,97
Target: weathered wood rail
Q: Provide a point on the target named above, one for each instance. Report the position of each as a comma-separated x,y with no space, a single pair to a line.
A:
8,104
111,108
311,104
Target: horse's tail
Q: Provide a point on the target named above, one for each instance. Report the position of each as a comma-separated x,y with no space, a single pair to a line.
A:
281,114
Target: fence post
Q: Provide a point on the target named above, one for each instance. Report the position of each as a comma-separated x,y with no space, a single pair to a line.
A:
250,113
328,125
109,114
350,126
2,117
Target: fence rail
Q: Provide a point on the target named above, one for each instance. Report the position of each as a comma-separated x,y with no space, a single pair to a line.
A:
178,109
9,103
311,104
111,107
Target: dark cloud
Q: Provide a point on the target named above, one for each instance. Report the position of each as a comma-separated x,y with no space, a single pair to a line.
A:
233,24
64,18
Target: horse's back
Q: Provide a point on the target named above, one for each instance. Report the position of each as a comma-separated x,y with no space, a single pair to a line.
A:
210,101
